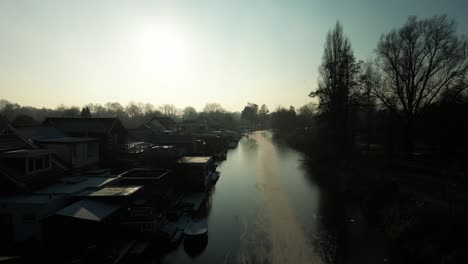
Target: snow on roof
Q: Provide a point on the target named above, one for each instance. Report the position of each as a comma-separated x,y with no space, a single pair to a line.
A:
112,191
194,160
89,210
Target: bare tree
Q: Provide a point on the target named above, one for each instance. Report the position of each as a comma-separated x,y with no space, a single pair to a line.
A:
169,110
419,61
213,108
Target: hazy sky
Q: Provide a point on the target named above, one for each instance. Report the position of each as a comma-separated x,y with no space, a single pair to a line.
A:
185,52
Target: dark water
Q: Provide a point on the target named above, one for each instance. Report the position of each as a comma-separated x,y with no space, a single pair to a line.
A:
266,209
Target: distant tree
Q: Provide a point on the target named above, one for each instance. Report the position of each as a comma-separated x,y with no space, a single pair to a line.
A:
263,114
189,113
284,120
336,86
133,110
115,109
66,111
213,108
85,112
169,110
250,113
10,110
419,61
306,114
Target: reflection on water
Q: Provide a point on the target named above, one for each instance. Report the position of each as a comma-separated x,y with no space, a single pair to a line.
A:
263,210
266,209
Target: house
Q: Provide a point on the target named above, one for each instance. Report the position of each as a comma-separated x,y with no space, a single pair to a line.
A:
93,219
161,124
23,165
26,214
21,216
110,133
74,152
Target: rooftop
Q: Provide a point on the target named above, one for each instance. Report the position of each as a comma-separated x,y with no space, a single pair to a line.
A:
112,191
28,198
82,125
194,160
145,173
40,132
68,140
11,142
72,185
23,153
89,210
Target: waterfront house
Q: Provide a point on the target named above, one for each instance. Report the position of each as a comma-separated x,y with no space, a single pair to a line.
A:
195,171
76,153
110,132
23,165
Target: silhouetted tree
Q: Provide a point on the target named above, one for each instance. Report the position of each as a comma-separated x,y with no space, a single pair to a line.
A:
263,114
250,113
85,112
169,110
189,113
419,61
284,120
336,86
213,108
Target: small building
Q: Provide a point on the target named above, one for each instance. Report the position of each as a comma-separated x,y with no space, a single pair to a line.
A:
23,165
74,152
110,132
195,172
21,216
158,195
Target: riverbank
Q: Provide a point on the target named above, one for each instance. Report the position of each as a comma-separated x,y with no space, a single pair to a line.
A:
418,205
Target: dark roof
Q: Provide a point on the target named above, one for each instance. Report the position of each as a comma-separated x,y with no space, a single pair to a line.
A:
40,132
11,142
68,140
164,120
82,125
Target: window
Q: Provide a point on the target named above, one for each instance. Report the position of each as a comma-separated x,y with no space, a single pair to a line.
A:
38,163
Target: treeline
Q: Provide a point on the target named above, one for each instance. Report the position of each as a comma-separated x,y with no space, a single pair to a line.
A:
390,134
132,115
411,97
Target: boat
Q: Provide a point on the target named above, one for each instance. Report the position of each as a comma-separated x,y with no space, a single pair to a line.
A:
198,228
196,237
214,177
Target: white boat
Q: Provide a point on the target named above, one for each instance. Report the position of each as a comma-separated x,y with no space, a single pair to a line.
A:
198,228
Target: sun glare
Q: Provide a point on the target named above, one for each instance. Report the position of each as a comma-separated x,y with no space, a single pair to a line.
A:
162,48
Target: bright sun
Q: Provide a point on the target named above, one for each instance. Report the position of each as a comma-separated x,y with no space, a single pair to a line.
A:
162,48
